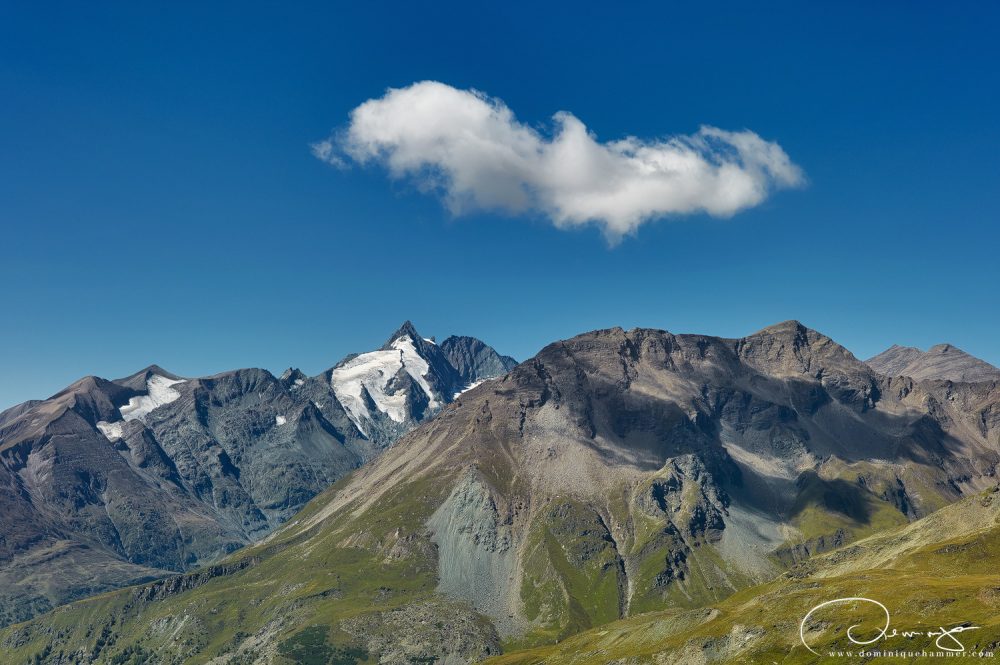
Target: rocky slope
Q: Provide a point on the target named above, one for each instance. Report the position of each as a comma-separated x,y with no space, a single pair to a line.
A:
936,572
474,360
943,362
113,482
614,474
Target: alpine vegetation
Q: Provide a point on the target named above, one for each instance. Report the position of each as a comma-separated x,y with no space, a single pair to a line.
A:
110,483
623,496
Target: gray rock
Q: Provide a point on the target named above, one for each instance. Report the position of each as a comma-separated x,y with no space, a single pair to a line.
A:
474,360
616,472
942,362
112,482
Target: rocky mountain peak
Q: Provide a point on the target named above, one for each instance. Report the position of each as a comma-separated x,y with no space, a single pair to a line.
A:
792,348
293,377
474,359
405,330
380,399
795,332
140,379
943,362
791,326
120,460
615,473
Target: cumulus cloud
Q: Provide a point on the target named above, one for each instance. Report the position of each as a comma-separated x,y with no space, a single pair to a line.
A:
471,150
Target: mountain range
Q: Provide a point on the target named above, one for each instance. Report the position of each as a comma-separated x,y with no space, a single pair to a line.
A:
110,483
641,483
943,362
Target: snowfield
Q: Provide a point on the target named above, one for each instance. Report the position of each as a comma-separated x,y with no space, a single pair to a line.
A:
467,388
112,431
372,372
159,393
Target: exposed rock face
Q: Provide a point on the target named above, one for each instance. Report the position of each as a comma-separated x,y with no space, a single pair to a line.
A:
475,550
386,392
943,362
417,634
625,471
474,360
619,472
112,482
615,473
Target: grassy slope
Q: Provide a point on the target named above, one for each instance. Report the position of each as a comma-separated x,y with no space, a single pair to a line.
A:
358,573
356,564
938,571
321,577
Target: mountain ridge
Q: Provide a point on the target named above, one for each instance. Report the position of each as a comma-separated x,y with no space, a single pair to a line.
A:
907,568
944,362
615,473
153,473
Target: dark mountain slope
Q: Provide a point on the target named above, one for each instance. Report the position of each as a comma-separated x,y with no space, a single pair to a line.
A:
613,474
937,571
474,360
110,482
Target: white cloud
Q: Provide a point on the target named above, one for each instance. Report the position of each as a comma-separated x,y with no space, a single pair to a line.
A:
471,150
327,151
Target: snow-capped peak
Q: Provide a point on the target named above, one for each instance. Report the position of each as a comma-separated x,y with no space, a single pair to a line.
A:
372,372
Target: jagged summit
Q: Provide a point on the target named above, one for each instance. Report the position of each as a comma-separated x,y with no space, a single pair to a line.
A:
424,346
293,377
475,360
410,377
404,331
154,472
614,473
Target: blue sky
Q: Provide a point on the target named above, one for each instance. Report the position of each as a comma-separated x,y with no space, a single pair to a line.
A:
159,201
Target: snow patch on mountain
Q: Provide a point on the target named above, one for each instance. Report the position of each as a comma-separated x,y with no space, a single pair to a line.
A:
467,388
112,431
372,372
159,392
